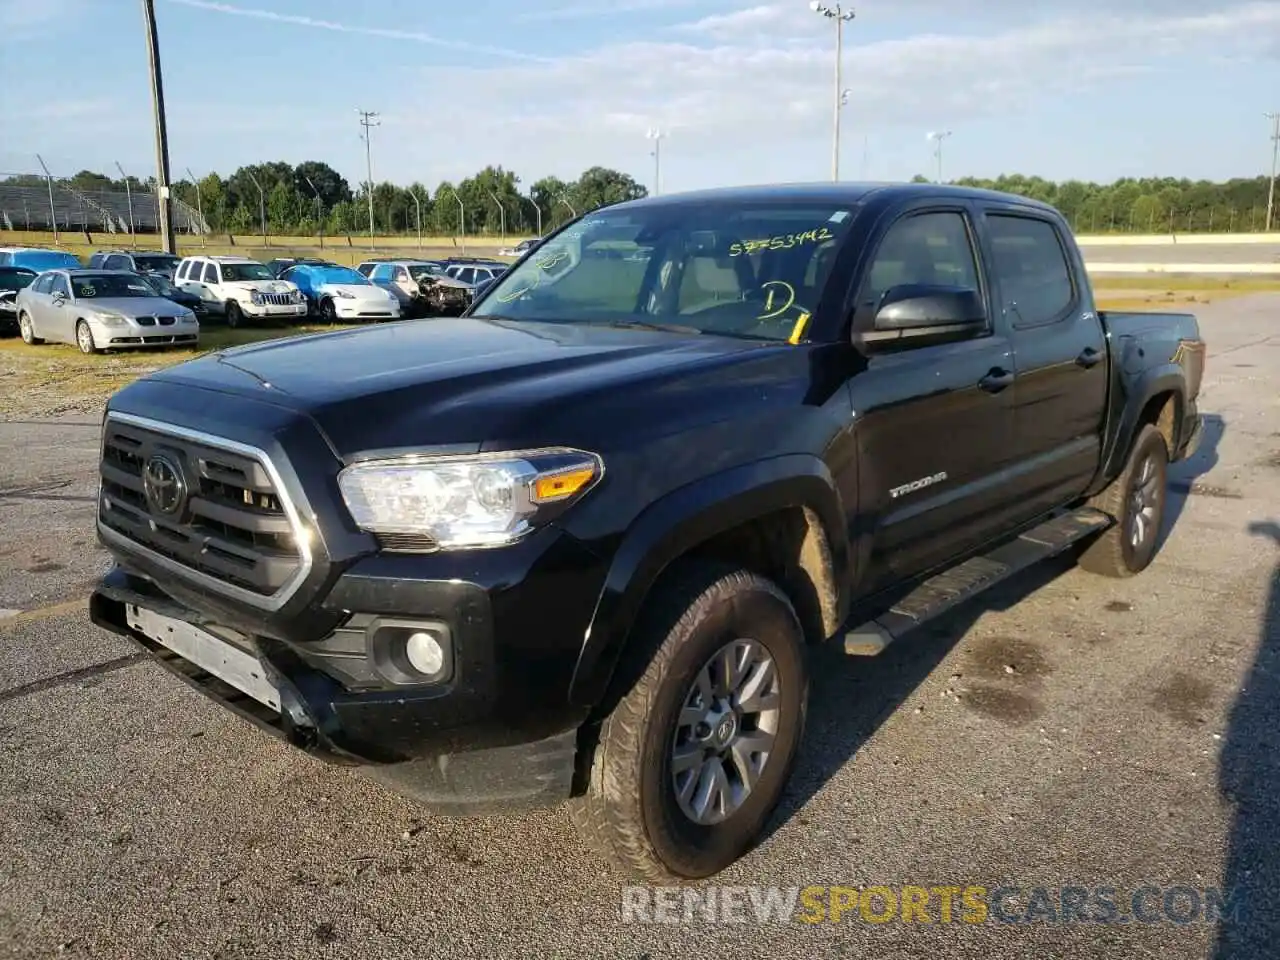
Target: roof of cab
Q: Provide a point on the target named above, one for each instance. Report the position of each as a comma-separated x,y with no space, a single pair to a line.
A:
828,192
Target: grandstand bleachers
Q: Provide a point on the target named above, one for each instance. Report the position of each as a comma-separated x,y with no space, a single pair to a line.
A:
27,208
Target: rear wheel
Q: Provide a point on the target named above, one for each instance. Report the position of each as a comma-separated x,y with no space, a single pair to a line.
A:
235,316
698,749
84,338
27,331
1136,499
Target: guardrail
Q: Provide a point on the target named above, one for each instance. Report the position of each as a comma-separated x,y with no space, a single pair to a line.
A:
1175,239
1212,269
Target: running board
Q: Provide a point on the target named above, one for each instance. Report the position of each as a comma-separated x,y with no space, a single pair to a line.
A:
954,586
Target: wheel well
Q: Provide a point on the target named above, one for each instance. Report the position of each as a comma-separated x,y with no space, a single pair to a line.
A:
1162,411
790,547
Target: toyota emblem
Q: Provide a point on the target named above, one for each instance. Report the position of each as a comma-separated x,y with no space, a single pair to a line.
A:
163,485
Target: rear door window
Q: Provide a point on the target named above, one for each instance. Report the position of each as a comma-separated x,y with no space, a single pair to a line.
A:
1031,268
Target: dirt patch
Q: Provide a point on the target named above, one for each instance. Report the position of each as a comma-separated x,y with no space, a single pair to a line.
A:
1008,706
1183,697
1001,657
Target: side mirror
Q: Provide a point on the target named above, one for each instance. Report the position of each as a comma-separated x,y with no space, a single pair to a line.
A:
918,313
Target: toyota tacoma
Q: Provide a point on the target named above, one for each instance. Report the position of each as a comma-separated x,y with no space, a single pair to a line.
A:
573,545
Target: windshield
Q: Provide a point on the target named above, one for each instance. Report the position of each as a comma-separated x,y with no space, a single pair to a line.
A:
340,275
420,270
160,285
41,260
244,271
155,261
89,286
14,278
752,270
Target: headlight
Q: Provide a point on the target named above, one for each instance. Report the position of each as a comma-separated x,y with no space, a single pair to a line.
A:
467,501
112,319
343,295
255,298
298,296
188,317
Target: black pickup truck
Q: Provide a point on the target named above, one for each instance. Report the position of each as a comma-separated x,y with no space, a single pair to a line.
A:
572,545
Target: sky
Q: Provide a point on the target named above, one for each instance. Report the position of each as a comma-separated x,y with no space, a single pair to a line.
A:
742,92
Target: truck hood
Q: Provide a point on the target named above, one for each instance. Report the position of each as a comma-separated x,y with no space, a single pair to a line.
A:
470,382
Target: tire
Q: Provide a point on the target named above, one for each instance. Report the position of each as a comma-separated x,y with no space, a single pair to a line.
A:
84,339
235,316
631,813
1136,499
27,331
328,312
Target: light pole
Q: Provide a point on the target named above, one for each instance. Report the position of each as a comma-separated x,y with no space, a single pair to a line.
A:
538,210
568,204
319,211
368,119
53,212
937,136
162,136
656,136
1275,147
837,13
502,216
262,205
128,193
417,215
199,205
462,217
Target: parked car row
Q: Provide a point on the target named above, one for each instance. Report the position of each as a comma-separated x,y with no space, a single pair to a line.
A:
71,306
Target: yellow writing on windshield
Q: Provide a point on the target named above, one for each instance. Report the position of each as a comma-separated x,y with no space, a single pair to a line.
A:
778,298
784,241
552,259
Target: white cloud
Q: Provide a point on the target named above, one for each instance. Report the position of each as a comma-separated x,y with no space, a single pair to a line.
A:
583,11
737,87
413,35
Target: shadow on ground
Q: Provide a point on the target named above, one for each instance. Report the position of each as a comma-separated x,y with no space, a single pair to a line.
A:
852,696
1249,780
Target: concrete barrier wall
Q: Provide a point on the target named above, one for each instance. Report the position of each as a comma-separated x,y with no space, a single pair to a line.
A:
1215,269
1178,239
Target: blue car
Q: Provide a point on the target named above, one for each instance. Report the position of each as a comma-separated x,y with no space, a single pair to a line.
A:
340,293
39,260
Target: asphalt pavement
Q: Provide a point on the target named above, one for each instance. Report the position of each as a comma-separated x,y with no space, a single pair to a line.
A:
1064,730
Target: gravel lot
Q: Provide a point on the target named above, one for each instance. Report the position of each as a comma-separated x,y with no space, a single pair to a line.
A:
1064,731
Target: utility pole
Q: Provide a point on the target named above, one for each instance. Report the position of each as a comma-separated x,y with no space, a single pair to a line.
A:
1275,149
462,217
937,136
199,205
839,15
128,192
162,135
368,119
538,210
656,136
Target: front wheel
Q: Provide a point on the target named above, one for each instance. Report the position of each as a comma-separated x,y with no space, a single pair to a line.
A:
27,331
696,752
328,312
84,339
235,316
1136,499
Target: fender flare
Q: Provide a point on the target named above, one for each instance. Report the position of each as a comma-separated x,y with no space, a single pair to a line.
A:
686,517
1164,378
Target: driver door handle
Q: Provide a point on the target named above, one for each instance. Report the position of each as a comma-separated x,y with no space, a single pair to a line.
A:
996,380
1089,357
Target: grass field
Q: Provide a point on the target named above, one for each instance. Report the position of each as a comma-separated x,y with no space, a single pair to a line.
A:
1174,293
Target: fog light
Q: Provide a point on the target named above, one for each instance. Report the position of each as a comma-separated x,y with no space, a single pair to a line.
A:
424,653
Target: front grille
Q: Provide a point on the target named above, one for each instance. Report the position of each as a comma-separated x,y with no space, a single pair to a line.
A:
228,522
152,321
277,299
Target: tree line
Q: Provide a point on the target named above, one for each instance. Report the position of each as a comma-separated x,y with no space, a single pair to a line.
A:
312,198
